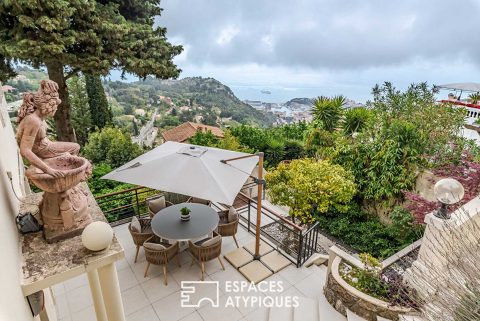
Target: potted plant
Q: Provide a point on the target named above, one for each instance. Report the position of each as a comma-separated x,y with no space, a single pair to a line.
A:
185,214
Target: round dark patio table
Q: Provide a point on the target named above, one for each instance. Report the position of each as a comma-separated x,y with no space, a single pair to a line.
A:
167,224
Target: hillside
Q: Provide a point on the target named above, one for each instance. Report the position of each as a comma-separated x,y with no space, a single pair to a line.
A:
300,103
203,99
206,96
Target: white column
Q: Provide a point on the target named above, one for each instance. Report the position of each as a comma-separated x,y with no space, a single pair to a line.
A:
97,295
111,292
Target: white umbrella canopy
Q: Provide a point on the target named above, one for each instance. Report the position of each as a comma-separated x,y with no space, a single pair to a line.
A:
190,170
467,86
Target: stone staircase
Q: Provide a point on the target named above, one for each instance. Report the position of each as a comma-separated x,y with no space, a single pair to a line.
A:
318,309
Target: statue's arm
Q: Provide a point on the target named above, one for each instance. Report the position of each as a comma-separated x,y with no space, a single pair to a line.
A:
26,143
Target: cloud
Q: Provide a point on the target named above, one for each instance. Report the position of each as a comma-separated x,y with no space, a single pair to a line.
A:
324,47
334,34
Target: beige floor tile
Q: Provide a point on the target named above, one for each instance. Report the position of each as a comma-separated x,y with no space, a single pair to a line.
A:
145,314
134,299
188,272
139,271
155,289
260,314
130,255
238,257
193,317
264,248
311,286
248,301
294,275
85,314
61,305
79,298
275,261
169,308
122,264
76,282
58,289
221,313
214,266
125,239
126,279
223,277
280,281
255,271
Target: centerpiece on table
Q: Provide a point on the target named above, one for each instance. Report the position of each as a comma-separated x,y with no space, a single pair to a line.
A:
185,214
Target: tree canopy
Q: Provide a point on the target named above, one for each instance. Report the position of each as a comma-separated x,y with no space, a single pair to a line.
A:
85,35
308,187
112,147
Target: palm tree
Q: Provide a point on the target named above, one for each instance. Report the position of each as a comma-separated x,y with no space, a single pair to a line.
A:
328,111
356,119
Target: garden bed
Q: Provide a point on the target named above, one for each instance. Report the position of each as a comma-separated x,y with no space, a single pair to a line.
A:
343,296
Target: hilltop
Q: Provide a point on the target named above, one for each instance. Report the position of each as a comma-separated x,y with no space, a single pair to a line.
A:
206,97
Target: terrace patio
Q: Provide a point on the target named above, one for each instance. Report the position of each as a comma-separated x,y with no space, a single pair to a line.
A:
148,299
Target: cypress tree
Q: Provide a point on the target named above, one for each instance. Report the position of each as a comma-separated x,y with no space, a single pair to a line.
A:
97,100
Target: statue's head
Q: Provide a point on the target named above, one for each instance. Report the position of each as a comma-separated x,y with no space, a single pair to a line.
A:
46,99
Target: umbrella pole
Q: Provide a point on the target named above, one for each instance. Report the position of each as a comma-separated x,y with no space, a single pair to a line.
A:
260,183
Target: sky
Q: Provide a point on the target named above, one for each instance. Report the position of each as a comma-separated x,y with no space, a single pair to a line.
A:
307,48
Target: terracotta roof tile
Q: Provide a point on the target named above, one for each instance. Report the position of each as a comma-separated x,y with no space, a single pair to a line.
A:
186,130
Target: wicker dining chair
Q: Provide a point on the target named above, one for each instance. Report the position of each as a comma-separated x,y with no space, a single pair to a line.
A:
203,251
160,253
156,204
139,237
199,201
226,227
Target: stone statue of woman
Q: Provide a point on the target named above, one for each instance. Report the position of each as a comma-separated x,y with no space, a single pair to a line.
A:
55,167
32,128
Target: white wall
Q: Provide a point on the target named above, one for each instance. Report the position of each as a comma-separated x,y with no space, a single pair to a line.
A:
13,306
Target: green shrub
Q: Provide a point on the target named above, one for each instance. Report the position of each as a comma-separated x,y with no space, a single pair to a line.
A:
365,233
404,227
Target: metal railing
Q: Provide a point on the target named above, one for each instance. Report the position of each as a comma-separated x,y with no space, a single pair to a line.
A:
120,206
297,243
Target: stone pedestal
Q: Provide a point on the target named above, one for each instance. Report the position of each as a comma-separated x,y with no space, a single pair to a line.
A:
63,209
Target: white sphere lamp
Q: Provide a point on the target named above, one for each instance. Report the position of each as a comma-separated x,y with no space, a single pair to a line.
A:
448,191
97,236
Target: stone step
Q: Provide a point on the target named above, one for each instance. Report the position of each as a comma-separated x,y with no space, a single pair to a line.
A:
328,312
353,317
307,310
280,314
316,259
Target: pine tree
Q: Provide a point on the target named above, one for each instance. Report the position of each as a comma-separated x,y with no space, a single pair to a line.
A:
92,36
97,100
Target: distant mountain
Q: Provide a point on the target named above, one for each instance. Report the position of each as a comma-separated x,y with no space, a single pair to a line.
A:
299,103
206,92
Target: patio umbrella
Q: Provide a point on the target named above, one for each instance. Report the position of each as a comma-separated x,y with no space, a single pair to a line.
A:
190,170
